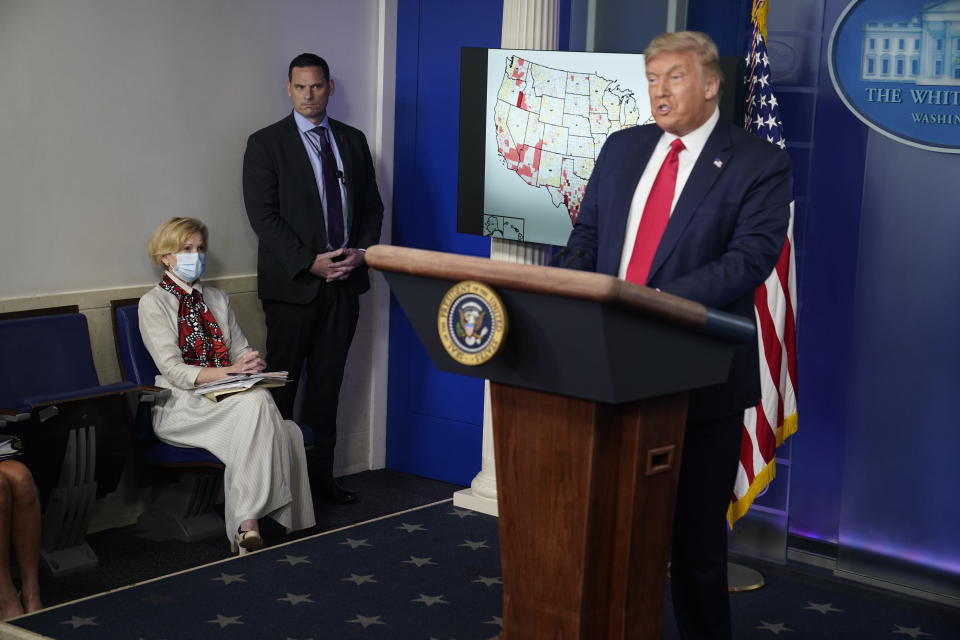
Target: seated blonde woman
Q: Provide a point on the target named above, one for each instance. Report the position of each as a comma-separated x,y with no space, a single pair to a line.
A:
192,334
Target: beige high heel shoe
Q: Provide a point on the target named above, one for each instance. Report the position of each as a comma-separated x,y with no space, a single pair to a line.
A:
248,541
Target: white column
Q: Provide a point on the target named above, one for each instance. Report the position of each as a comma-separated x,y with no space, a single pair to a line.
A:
527,24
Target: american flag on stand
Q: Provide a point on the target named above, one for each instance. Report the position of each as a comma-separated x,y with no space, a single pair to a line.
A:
768,424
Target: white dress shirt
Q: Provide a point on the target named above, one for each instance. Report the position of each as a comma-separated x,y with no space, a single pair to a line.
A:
694,143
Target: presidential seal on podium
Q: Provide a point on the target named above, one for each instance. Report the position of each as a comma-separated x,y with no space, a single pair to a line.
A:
472,322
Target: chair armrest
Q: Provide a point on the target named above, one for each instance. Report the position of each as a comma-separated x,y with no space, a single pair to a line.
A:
150,394
13,415
79,394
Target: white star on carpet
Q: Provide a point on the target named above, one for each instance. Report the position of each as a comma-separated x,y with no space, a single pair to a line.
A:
410,528
430,600
157,598
225,621
295,560
497,620
81,622
356,543
227,578
482,544
462,513
775,628
488,581
366,621
824,608
913,632
419,561
294,599
358,580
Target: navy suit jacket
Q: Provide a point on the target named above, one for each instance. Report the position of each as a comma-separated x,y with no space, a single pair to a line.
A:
283,204
722,241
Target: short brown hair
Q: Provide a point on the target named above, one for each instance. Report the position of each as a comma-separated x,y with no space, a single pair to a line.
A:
696,42
170,236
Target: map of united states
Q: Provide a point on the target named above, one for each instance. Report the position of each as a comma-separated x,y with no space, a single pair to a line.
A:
551,124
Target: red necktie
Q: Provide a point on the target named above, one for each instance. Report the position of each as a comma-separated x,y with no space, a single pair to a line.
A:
656,214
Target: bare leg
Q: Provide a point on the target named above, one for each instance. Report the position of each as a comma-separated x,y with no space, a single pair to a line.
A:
250,525
9,598
25,530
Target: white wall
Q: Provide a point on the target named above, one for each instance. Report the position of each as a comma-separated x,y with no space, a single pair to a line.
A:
117,114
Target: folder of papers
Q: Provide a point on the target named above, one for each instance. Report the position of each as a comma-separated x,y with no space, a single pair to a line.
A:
220,389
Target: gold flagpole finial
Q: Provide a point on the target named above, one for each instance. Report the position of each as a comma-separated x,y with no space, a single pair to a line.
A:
760,16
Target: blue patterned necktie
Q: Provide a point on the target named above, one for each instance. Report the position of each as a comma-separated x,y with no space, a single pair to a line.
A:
331,186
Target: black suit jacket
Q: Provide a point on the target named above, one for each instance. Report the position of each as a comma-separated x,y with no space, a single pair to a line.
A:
722,241
285,210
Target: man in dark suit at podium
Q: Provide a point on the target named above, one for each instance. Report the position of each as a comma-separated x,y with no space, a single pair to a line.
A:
698,208
312,199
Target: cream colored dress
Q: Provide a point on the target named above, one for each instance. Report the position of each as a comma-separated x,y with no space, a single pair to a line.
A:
266,467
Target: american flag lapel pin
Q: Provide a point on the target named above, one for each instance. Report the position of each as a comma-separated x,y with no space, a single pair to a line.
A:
718,163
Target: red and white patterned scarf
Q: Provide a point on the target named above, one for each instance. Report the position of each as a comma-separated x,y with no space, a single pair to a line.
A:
200,338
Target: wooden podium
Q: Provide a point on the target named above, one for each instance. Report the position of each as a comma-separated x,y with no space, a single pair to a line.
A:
589,394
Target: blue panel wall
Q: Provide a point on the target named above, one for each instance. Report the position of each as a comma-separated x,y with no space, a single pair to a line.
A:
434,418
724,20
900,494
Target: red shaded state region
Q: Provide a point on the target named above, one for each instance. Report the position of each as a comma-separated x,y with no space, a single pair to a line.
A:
524,159
519,69
571,189
519,72
529,166
522,102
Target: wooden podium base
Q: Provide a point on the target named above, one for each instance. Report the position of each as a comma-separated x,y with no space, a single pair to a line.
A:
586,497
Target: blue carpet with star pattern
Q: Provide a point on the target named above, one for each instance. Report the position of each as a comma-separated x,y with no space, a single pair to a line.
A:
428,572
432,573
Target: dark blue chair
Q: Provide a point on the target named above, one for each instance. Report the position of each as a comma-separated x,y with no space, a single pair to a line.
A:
75,431
183,510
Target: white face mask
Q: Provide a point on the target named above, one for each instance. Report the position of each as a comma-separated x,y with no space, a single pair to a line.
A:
189,266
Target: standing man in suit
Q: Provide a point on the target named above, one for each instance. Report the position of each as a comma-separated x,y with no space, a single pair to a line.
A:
698,208
312,199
